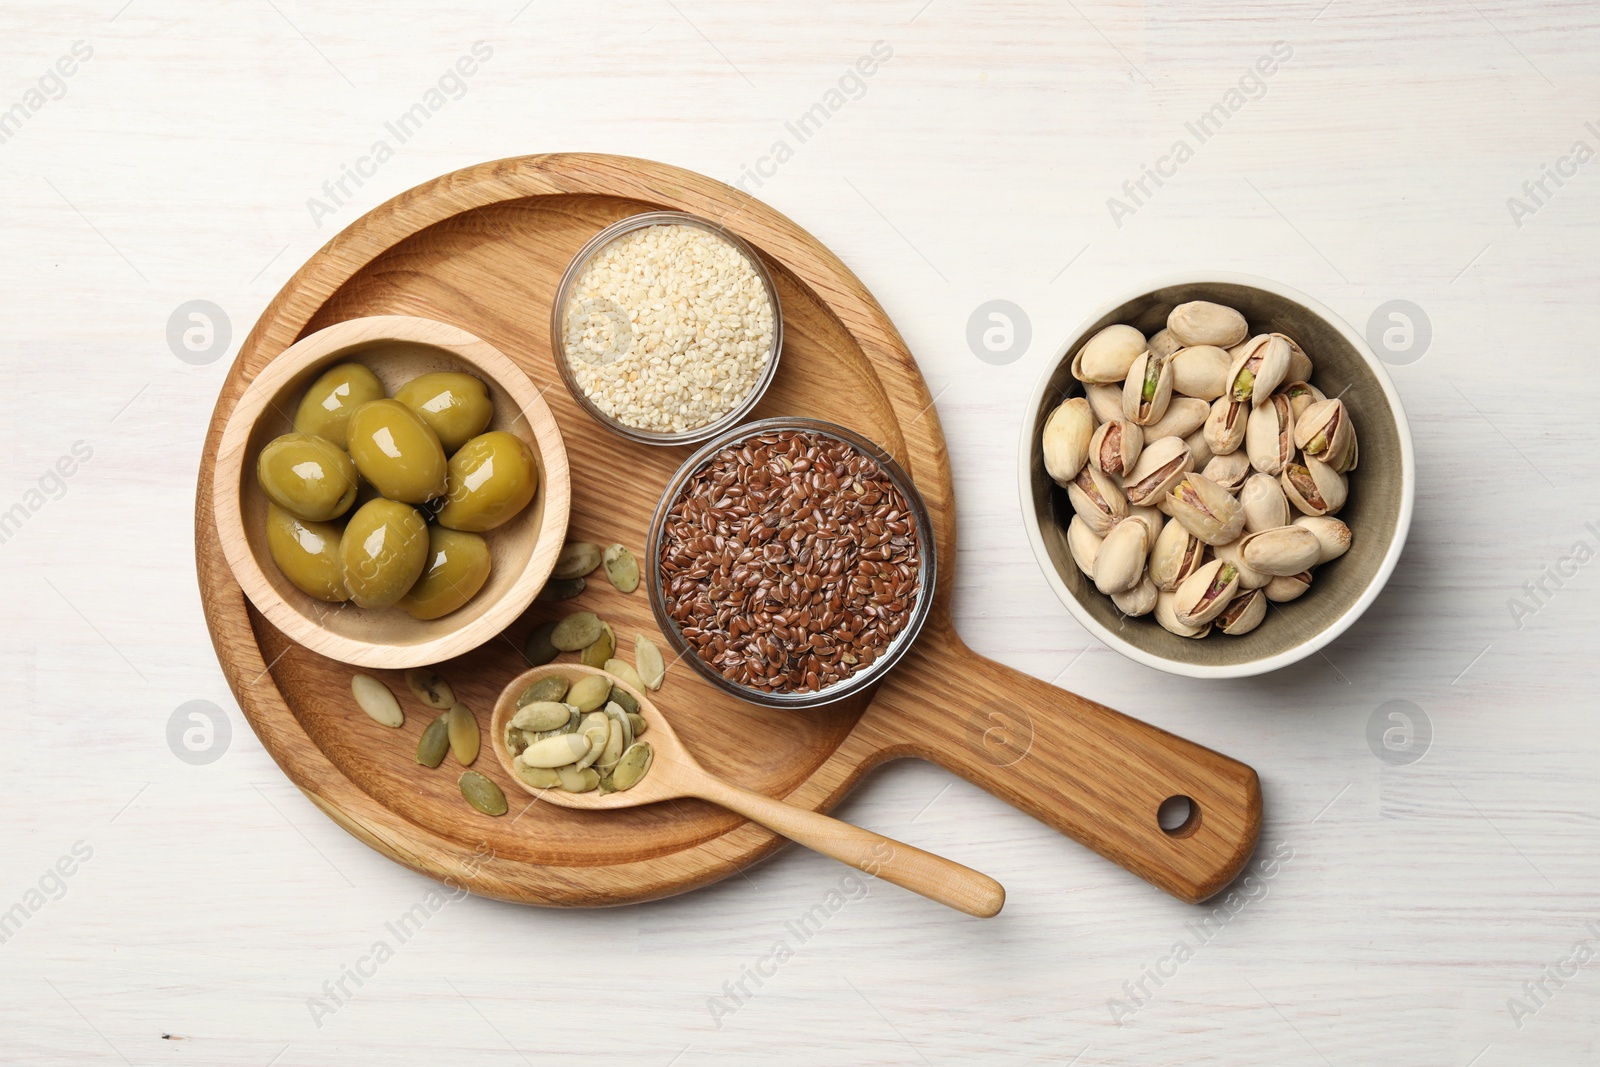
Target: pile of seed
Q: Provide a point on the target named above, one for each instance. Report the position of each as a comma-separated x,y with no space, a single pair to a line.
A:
790,561
668,328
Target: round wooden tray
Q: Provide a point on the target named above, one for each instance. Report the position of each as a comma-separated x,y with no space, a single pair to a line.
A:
483,248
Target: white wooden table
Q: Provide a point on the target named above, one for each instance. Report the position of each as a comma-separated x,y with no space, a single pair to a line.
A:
1417,910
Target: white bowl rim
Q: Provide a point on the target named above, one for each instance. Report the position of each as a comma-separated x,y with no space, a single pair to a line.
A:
1033,522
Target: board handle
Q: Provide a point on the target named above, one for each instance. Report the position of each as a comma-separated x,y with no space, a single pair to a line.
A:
1092,773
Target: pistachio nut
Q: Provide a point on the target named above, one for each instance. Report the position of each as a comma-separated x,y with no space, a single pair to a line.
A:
1140,600
1243,613
1204,594
1331,533
1229,471
1166,614
1287,587
1265,506
1249,577
1301,396
1225,426
1104,400
1269,435
1200,322
1084,544
1148,389
1176,554
1065,439
1159,468
1199,451
1326,433
1281,551
1299,362
1259,368
1097,497
1205,508
1163,343
1106,356
1201,371
1116,445
1184,416
1121,558
1314,487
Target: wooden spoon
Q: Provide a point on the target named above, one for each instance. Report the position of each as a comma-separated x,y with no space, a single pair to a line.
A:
674,773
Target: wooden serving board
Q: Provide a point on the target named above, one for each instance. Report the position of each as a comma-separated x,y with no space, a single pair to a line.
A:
483,248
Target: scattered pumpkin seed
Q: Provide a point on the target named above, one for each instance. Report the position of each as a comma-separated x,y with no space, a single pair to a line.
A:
589,693
621,568
481,793
539,777
576,560
561,589
374,698
550,687
647,658
538,649
541,715
603,648
621,668
434,743
577,781
623,698
638,723
633,766
577,631
557,751
429,688
464,737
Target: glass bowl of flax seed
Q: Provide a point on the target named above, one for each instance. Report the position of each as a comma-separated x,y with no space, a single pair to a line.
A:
791,562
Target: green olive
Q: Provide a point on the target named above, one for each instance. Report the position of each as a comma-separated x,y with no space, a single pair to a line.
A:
456,406
492,477
307,553
383,551
396,451
326,407
309,477
458,565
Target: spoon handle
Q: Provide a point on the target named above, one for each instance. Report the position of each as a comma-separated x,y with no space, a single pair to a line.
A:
934,877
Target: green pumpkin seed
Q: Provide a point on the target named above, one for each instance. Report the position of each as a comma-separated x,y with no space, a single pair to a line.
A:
464,737
576,781
550,687
558,751
647,658
620,717
374,698
638,723
539,777
623,670
435,742
589,692
624,699
634,765
606,786
621,568
569,727
577,631
561,589
597,737
576,560
516,741
604,647
541,715
429,688
482,793
539,649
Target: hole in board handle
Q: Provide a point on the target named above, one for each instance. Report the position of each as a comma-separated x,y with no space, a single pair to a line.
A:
1178,816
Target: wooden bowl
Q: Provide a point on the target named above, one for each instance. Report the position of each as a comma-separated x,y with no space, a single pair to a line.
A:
522,552
1378,511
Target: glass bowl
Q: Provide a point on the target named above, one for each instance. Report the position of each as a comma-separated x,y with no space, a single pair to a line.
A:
926,574
575,270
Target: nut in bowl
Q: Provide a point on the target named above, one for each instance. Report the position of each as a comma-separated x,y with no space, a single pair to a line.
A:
391,491
1217,475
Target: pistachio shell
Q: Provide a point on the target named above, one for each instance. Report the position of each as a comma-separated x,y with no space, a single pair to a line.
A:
1326,433
1140,600
1065,439
1148,389
1163,343
1151,517
1204,594
1098,498
1229,471
1208,511
1269,435
1201,371
1249,577
1166,614
1332,535
1243,613
1281,551
1184,416
1289,587
1299,362
1301,395
1176,554
1106,356
1264,504
1084,544
1258,368
1314,487
1104,400
1199,450
1120,562
1225,426
1160,467
1201,322
1116,445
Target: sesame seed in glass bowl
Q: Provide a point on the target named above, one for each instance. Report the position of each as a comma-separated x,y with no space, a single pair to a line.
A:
666,328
